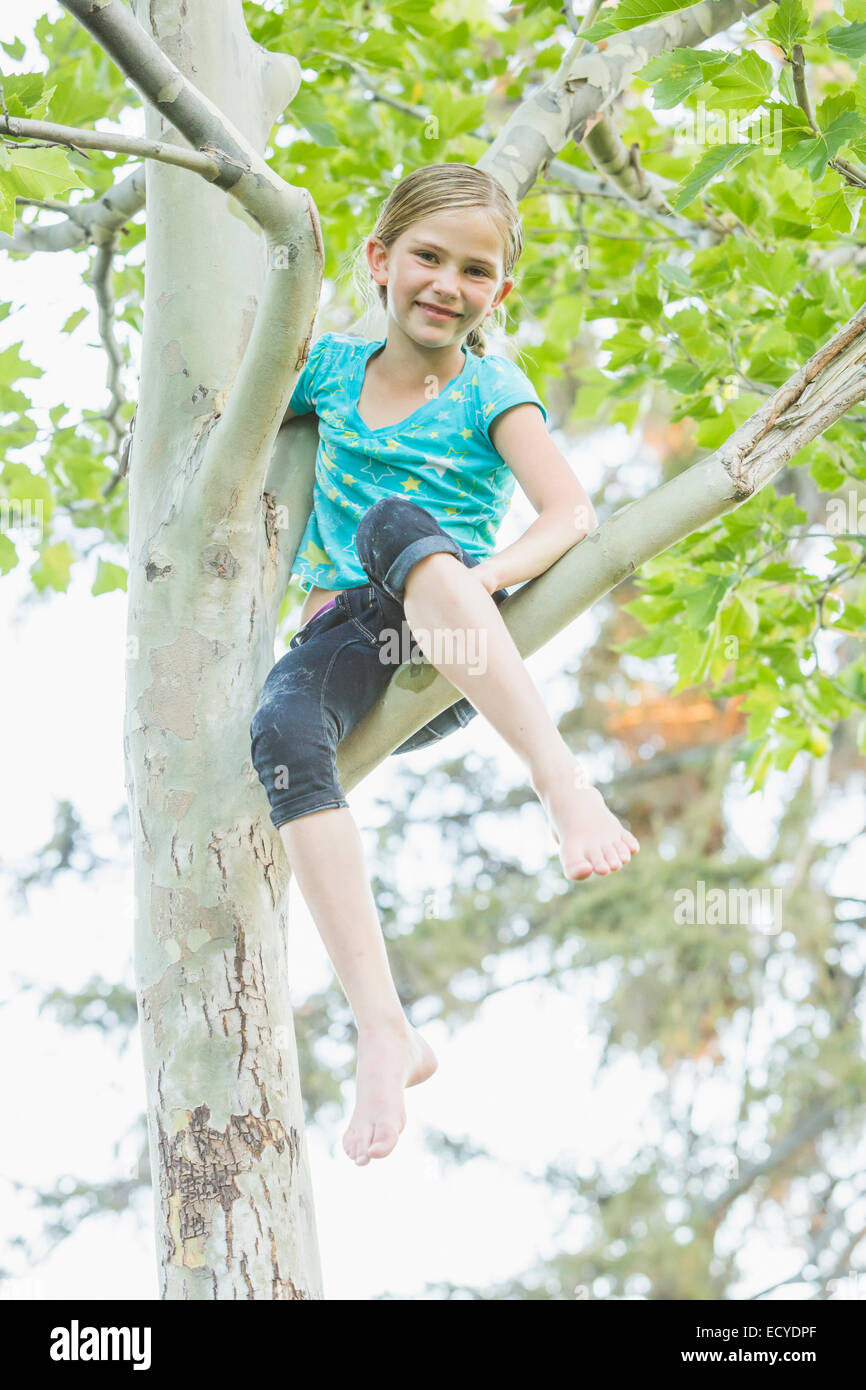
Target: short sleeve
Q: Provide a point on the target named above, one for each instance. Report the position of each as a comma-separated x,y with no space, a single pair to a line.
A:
503,384
304,395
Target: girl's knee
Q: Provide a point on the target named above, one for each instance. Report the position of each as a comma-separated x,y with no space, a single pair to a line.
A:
382,531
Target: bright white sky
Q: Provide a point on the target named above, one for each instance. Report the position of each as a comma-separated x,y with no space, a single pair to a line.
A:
518,1081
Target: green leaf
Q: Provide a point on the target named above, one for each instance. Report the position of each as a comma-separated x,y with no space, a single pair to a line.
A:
13,366
51,570
713,432
32,173
653,608
703,603
460,114
815,153
708,166
108,578
628,345
852,620
827,473
744,84
15,50
847,39
758,765
25,94
745,617
74,320
630,13
788,23
8,554
310,111
675,74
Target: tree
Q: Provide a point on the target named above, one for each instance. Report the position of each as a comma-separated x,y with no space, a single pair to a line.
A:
219,495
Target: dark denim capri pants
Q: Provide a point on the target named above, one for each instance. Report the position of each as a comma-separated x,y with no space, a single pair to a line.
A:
331,675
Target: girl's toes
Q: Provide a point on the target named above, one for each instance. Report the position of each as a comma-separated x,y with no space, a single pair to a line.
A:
383,1141
612,856
598,861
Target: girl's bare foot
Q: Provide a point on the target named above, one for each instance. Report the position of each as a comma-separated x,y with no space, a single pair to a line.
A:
589,836
391,1056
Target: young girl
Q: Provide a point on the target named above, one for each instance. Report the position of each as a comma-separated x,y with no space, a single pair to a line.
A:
421,438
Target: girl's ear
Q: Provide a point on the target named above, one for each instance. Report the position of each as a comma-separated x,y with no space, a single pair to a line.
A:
377,259
505,289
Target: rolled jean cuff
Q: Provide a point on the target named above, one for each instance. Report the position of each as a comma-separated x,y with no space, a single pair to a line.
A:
395,580
304,806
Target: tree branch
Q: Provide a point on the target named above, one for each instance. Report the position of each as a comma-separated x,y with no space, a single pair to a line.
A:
852,173
574,100
121,438
641,191
77,138
96,220
237,453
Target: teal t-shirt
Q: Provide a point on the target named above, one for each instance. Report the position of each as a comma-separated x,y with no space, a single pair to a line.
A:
440,456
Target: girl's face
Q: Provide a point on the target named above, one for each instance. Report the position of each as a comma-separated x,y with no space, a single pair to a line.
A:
452,262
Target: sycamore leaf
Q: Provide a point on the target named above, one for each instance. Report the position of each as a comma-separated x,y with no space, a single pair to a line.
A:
847,39
630,13
742,85
715,159
675,74
815,153
51,570
788,23
32,173
108,578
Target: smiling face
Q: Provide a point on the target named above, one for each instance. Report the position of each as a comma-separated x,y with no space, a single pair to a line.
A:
444,275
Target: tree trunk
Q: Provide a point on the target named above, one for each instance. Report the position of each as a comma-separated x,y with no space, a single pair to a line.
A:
232,1188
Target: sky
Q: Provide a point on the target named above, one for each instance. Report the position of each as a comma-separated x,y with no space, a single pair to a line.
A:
396,1223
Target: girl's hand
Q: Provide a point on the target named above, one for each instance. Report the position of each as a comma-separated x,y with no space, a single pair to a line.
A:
485,571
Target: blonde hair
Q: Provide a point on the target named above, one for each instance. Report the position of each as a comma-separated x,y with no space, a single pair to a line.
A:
429,190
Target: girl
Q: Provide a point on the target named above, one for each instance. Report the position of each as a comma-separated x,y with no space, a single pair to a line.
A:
421,438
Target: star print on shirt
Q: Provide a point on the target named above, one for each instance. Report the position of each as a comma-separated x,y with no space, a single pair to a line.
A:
438,465
443,455
315,555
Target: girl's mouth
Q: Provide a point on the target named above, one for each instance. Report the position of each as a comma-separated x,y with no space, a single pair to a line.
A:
436,313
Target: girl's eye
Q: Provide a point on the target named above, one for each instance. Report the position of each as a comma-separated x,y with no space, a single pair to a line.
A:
480,270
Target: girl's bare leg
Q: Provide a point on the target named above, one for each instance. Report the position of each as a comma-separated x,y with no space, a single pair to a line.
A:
442,595
326,855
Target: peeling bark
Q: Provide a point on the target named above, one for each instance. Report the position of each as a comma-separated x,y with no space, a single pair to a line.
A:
232,1190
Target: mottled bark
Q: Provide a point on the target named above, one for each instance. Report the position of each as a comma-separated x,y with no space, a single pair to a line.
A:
234,264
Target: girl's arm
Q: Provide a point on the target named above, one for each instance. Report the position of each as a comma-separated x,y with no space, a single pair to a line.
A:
565,513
